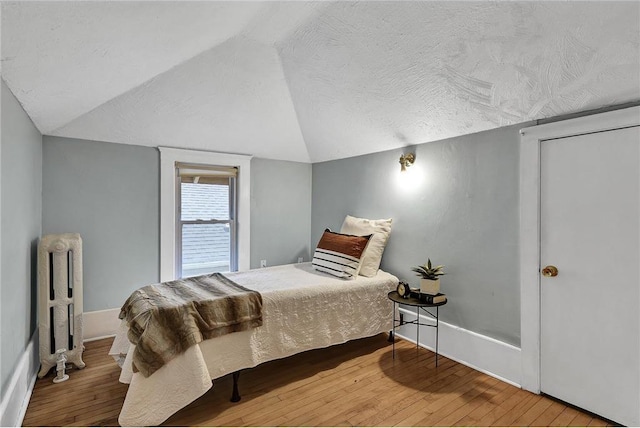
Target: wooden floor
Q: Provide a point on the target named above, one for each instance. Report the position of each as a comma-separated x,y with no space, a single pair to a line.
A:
357,383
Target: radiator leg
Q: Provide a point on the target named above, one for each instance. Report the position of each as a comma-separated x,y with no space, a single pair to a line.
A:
235,396
60,366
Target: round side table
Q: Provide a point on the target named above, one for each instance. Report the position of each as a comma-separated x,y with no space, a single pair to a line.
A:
418,304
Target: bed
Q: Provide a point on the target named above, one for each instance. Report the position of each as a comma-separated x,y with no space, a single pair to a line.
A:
303,309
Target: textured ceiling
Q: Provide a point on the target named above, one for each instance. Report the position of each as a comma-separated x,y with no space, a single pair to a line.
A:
312,81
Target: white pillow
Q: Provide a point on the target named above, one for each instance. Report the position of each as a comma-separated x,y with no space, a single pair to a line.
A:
380,229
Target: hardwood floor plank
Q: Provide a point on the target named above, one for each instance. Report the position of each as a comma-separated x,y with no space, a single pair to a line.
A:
462,405
565,417
460,392
549,415
339,409
581,420
509,418
408,398
504,408
486,401
533,413
354,384
405,398
105,412
597,422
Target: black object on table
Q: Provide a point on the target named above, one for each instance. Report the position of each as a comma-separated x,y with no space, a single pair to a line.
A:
418,304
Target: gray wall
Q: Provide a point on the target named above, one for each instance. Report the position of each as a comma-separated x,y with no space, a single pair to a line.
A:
464,214
21,219
109,193
280,211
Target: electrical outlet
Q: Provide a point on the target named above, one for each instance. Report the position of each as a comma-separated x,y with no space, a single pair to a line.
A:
263,263
300,259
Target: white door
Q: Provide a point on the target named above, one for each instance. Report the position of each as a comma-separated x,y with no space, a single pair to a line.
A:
590,231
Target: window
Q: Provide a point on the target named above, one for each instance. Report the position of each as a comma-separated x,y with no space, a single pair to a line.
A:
206,226
172,261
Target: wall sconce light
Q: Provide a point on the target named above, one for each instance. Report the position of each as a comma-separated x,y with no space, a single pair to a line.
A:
406,161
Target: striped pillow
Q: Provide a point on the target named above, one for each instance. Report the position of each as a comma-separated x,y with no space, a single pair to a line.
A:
339,254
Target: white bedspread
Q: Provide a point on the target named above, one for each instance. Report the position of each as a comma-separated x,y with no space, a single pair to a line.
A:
303,309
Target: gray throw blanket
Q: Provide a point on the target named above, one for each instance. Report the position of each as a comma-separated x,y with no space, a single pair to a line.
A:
166,319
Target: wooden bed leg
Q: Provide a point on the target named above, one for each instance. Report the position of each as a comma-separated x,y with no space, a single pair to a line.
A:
235,396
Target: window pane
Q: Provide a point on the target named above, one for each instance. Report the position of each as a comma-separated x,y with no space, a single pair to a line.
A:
204,201
205,249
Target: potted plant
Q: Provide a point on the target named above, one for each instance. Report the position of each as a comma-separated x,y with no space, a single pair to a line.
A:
430,282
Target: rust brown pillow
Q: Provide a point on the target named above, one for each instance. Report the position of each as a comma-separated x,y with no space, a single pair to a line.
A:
339,254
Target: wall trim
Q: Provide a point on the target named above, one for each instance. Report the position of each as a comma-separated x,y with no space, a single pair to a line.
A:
100,324
16,399
483,353
530,141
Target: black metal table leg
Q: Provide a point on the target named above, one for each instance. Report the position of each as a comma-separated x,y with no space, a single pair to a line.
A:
417,327
437,328
393,331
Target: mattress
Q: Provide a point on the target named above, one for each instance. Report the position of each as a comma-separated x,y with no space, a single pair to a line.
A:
303,309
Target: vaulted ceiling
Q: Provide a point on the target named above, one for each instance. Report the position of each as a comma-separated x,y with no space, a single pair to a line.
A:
312,81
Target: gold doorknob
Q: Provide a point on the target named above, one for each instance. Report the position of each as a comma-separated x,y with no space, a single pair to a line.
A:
550,271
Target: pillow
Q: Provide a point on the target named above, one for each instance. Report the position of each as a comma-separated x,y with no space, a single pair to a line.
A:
380,229
339,254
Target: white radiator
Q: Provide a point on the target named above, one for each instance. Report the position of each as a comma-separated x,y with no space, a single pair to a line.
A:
60,300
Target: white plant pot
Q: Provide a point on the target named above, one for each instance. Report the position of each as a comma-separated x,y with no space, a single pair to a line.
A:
430,286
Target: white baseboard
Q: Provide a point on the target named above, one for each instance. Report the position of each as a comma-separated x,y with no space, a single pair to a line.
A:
100,324
14,403
482,353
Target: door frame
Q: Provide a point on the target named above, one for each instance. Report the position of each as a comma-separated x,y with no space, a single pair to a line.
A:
530,140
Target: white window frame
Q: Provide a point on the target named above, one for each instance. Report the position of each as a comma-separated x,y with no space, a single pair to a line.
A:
168,158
